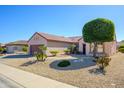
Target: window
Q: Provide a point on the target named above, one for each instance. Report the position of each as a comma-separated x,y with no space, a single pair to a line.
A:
15,48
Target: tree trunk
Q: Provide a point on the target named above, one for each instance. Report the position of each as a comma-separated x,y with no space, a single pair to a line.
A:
95,49
104,49
90,47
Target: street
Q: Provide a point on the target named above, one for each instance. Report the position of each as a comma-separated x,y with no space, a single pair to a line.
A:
7,83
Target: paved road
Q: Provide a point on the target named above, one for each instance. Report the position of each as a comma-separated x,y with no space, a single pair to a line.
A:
7,83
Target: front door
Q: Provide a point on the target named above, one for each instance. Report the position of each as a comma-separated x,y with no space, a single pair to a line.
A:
84,49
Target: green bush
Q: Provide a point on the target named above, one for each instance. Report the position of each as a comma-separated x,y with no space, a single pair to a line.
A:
103,62
40,57
64,63
25,49
1,49
121,46
72,48
121,50
54,52
67,51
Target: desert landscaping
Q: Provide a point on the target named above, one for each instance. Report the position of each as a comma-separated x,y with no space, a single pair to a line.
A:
77,74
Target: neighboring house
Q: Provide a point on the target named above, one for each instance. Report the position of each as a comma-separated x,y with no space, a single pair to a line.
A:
54,42
0,45
16,46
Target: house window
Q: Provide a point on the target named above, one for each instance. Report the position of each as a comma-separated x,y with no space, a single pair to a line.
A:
15,48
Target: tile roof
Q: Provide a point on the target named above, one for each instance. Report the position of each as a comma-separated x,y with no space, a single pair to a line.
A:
19,42
60,38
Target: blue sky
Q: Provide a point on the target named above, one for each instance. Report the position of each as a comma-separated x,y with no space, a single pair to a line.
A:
21,22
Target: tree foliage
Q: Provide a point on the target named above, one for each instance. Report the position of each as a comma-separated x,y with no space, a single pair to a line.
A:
98,31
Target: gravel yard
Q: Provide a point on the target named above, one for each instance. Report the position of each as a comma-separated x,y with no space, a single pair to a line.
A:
78,74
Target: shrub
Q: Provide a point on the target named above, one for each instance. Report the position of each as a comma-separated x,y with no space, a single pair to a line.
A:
67,51
121,50
64,63
72,48
103,62
25,49
40,57
54,52
1,49
121,46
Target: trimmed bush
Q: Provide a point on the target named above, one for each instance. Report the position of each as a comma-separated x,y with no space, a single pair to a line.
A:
64,63
121,46
98,30
40,57
1,49
121,50
103,62
54,52
67,51
25,49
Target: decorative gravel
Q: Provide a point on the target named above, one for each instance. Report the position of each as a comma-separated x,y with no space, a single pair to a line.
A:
77,74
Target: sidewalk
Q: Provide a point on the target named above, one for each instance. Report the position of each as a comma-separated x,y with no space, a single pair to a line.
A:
30,80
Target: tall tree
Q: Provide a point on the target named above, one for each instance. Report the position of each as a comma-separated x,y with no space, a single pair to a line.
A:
99,30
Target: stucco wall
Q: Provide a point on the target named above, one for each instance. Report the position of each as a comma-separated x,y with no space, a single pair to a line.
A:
51,45
14,48
37,40
60,46
110,48
81,42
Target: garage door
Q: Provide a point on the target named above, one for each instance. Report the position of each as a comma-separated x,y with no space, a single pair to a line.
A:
34,48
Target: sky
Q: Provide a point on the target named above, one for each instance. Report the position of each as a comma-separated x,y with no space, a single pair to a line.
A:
21,22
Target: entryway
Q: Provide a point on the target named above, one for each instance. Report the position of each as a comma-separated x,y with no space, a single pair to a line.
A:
84,49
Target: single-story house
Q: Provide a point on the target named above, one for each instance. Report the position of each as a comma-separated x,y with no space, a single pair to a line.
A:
16,46
54,42
0,44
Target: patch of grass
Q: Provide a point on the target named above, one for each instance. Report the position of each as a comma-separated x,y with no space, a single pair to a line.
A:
64,63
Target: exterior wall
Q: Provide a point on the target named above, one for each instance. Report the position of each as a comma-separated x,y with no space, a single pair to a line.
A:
110,48
14,48
36,40
81,45
51,45
81,42
60,46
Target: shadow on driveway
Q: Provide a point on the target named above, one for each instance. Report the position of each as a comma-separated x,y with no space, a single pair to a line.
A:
86,62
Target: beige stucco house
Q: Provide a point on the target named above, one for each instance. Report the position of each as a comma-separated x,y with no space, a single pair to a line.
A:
61,43
16,46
